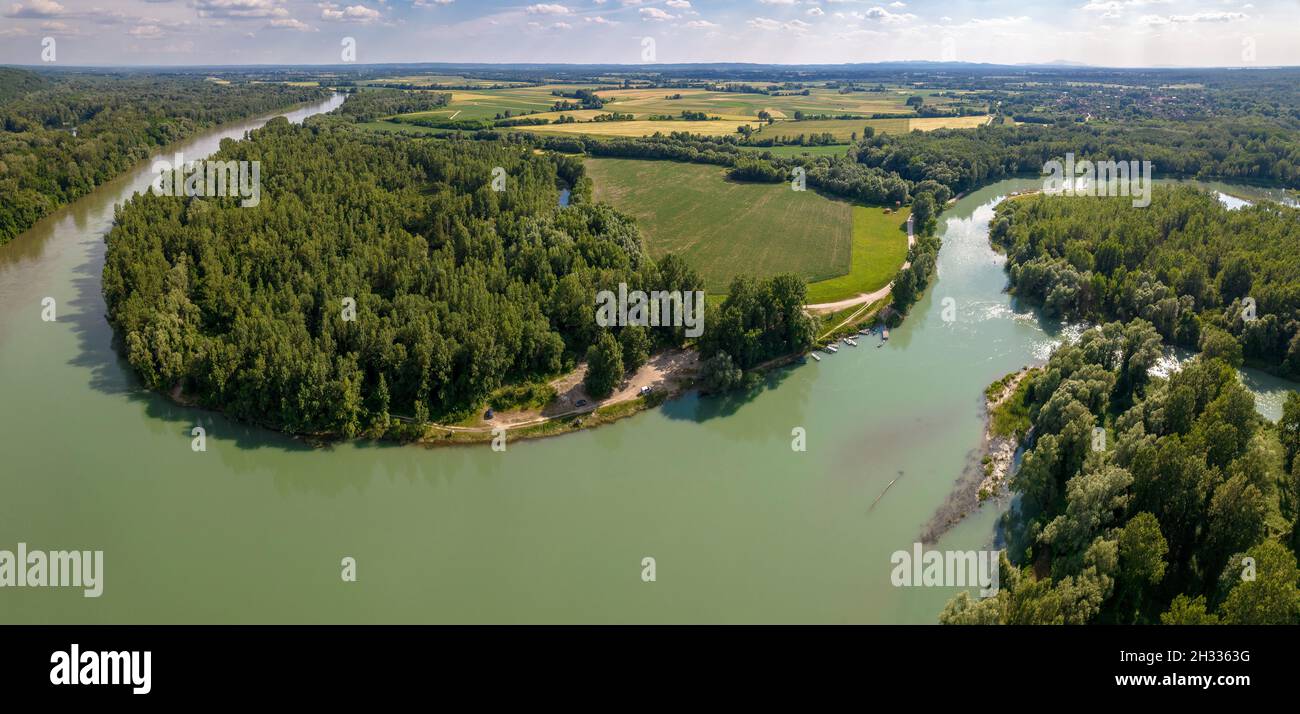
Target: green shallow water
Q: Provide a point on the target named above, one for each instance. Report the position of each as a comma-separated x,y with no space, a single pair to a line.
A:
743,529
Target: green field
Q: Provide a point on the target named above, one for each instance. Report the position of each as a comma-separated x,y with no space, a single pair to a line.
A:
879,249
725,228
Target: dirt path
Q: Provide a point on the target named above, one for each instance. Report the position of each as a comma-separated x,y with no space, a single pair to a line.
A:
860,298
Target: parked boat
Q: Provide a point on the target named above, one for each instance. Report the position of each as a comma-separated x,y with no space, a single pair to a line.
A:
884,334
850,341
815,356
832,348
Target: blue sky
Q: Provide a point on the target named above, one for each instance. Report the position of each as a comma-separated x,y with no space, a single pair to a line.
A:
1100,32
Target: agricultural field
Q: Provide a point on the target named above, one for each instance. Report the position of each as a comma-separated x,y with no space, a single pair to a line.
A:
487,104
724,228
639,128
842,129
932,123
644,102
879,250
434,80
740,106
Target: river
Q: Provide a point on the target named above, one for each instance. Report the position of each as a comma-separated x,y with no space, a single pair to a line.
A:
742,527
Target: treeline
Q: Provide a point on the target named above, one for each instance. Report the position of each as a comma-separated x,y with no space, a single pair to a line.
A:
370,104
961,159
840,176
457,289
1204,275
1146,499
64,135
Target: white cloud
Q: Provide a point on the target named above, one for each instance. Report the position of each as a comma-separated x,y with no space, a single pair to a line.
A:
352,13
767,23
35,8
679,4
701,25
147,32
654,13
239,9
1163,20
547,9
289,23
816,11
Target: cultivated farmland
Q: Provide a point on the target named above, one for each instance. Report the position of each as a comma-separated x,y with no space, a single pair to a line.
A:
724,228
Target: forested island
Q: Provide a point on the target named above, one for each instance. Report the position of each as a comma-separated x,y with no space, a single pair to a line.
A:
1224,281
1146,499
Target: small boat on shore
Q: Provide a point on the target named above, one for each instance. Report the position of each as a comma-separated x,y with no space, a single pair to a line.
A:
884,335
832,348
850,341
815,356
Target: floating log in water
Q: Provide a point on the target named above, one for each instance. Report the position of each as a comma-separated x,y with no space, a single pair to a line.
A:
882,493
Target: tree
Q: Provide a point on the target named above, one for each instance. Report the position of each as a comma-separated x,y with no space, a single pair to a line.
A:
1288,427
1186,610
1272,597
635,343
1235,280
719,374
1217,344
1142,550
923,212
604,366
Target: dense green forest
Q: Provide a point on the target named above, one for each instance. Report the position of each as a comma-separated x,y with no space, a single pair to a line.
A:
60,136
1186,263
458,289
1248,149
1153,519
370,104
759,320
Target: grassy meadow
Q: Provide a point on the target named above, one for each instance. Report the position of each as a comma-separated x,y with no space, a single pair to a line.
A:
725,228
879,249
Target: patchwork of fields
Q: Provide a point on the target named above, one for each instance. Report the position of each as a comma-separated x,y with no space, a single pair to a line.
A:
727,110
639,128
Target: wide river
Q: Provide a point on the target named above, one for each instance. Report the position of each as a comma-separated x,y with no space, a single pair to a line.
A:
742,527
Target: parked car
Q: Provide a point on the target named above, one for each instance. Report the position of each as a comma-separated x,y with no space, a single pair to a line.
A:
487,414
581,403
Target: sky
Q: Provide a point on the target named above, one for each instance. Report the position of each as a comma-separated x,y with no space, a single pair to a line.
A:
1117,33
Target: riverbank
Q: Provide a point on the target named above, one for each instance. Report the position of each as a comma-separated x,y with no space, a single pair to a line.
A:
664,376
985,476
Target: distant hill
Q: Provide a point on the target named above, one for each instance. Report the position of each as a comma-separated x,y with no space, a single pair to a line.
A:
17,82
